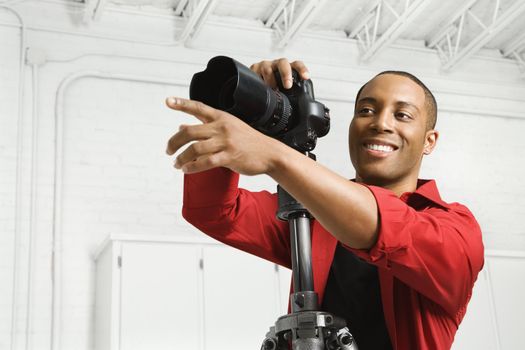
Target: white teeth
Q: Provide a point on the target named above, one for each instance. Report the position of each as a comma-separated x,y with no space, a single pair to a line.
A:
381,148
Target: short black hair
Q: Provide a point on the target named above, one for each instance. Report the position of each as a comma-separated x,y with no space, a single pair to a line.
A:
430,101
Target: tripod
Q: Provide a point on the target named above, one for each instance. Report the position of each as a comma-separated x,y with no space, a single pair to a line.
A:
305,328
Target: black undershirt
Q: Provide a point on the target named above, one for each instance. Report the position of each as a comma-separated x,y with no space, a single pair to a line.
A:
352,292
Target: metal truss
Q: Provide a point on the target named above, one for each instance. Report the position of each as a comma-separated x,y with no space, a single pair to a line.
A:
448,41
196,11
515,49
366,31
93,10
285,21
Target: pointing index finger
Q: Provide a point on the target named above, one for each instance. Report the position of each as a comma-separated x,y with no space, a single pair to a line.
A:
201,111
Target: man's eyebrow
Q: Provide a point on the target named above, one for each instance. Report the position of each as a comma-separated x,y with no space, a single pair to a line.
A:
366,99
398,103
407,104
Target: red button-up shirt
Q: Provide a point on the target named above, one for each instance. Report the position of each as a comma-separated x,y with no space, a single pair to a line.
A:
428,252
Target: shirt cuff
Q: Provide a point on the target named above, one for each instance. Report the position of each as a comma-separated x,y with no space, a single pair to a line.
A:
218,186
393,237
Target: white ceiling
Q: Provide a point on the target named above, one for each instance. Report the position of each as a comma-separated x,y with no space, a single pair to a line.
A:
455,29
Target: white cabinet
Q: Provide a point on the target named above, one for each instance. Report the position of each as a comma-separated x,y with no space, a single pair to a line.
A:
183,294
241,299
196,294
159,296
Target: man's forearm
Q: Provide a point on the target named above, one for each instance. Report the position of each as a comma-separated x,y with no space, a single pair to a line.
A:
346,209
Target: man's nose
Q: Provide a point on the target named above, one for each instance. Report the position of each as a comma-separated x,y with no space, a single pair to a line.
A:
382,122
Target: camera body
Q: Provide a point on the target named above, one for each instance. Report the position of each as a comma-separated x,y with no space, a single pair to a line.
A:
309,118
289,115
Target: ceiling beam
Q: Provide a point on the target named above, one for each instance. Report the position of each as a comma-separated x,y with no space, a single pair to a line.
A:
521,63
101,5
89,8
276,13
180,7
370,13
448,40
201,9
449,26
515,45
93,10
302,21
366,31
287,23
515,49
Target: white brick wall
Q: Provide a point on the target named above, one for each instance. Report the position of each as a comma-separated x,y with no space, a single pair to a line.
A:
9,66
115,178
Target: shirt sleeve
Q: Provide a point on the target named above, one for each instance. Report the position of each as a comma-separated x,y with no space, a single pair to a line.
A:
437,251
246,220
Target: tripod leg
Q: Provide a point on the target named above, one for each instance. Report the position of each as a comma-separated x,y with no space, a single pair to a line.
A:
301,252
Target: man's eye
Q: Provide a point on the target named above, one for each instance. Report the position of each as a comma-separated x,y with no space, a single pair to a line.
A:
366,110
403,116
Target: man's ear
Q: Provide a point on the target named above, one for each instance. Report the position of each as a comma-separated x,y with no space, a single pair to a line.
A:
431,137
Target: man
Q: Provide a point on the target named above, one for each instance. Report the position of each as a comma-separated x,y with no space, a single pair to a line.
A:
389,255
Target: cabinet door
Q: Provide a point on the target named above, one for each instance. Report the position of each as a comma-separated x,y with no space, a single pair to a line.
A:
285,287
494,315
241,299
508,287
160,297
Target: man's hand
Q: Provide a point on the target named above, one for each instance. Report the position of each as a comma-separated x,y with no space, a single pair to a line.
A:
222,140
266,70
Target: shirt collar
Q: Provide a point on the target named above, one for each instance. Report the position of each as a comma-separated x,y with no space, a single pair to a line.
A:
428,190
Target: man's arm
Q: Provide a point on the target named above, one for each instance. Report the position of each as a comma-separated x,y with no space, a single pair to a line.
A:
245,220
346,209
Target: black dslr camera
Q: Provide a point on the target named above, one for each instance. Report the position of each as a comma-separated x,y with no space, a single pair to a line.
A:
289,115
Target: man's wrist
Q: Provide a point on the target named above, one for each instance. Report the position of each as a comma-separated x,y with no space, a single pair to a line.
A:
280,159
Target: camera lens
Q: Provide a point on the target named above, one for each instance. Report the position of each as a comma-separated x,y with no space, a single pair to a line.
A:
232,87
280,119
226,101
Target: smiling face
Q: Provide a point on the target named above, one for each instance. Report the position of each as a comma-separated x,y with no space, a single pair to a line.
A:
389,133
